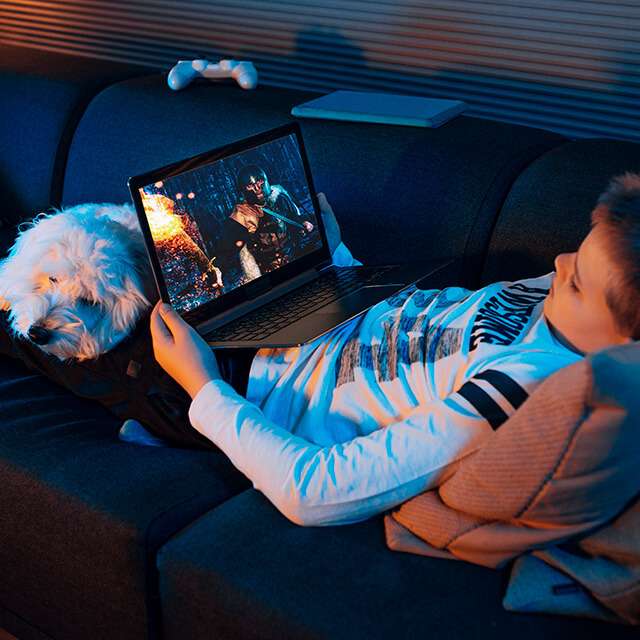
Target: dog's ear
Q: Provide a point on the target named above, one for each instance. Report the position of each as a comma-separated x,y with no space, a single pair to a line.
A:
129,305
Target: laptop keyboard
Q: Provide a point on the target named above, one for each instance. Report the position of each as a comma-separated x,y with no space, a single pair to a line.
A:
296,304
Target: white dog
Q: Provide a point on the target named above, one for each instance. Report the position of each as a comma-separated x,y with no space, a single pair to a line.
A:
76,280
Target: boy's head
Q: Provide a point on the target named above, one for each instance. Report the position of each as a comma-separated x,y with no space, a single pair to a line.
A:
594,301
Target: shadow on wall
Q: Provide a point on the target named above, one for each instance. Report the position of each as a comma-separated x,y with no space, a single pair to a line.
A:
557,66
347,55
564,106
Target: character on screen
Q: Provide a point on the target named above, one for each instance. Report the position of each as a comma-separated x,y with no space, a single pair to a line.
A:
264,229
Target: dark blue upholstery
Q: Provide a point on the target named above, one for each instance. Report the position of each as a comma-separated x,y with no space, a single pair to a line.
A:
398,192
548,208
259,576
82,513
43,97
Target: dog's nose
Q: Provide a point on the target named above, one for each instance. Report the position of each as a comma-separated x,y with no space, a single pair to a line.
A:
38,334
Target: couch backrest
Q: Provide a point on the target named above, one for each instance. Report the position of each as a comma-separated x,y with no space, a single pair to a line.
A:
503,198
43,97
400,193
548,208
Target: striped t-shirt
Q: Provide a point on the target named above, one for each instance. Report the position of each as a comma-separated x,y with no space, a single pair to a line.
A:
381,408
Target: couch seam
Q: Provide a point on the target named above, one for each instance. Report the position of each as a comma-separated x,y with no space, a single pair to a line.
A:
152,573
27,622
67,136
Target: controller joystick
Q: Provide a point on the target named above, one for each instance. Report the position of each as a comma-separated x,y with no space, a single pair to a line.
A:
185,71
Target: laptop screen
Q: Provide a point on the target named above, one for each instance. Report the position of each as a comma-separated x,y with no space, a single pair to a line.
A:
219,226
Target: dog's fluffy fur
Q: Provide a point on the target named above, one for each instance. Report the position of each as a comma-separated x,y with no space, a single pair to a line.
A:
83,274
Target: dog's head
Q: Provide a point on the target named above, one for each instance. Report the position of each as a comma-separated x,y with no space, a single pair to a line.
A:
76,281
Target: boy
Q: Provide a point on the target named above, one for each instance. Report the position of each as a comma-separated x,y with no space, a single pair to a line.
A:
382,408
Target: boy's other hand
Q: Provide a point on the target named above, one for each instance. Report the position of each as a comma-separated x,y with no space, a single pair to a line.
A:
330,223
181,351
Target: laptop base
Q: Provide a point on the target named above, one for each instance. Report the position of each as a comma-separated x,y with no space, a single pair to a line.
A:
319,321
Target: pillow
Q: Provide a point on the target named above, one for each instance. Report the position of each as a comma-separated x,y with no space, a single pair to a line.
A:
563,465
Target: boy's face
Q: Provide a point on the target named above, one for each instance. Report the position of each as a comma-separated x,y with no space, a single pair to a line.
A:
576,307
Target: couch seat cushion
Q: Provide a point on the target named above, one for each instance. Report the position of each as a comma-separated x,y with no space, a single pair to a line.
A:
244,571
82,513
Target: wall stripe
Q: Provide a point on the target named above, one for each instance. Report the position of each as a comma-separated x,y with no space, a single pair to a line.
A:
571,66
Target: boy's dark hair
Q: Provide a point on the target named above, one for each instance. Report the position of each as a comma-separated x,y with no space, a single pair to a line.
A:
618,211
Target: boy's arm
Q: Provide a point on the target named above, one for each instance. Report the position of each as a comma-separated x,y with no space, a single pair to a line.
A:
354,480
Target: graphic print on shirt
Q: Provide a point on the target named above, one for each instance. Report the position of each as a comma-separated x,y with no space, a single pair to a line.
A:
408,338
505,315
396,300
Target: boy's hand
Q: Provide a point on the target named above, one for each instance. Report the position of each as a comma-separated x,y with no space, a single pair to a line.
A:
181,351
330,223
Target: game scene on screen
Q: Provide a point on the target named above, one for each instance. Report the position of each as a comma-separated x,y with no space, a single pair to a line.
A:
222,225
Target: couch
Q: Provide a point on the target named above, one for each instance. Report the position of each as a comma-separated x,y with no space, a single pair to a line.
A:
105,539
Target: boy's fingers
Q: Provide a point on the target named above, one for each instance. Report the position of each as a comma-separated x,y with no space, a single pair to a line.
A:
172,319
159,328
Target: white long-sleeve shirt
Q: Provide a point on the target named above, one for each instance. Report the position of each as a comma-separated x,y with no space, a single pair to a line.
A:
382,408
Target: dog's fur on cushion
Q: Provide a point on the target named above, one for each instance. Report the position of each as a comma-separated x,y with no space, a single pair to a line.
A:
82,276
79,276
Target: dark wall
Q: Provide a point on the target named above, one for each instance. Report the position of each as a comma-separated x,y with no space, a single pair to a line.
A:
570,66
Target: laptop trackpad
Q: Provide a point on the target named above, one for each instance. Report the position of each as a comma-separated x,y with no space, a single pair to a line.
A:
357,301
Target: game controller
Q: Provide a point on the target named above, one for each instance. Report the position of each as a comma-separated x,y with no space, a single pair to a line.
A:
185,71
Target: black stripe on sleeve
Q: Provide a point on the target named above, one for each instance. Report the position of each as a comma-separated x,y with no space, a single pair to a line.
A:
483,403
506,385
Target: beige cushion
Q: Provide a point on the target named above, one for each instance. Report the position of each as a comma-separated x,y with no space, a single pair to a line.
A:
564,464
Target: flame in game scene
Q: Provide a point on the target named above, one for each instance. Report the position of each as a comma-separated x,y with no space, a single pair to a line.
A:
183,259
162,221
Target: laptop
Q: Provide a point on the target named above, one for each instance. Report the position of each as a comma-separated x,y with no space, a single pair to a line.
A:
237,245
